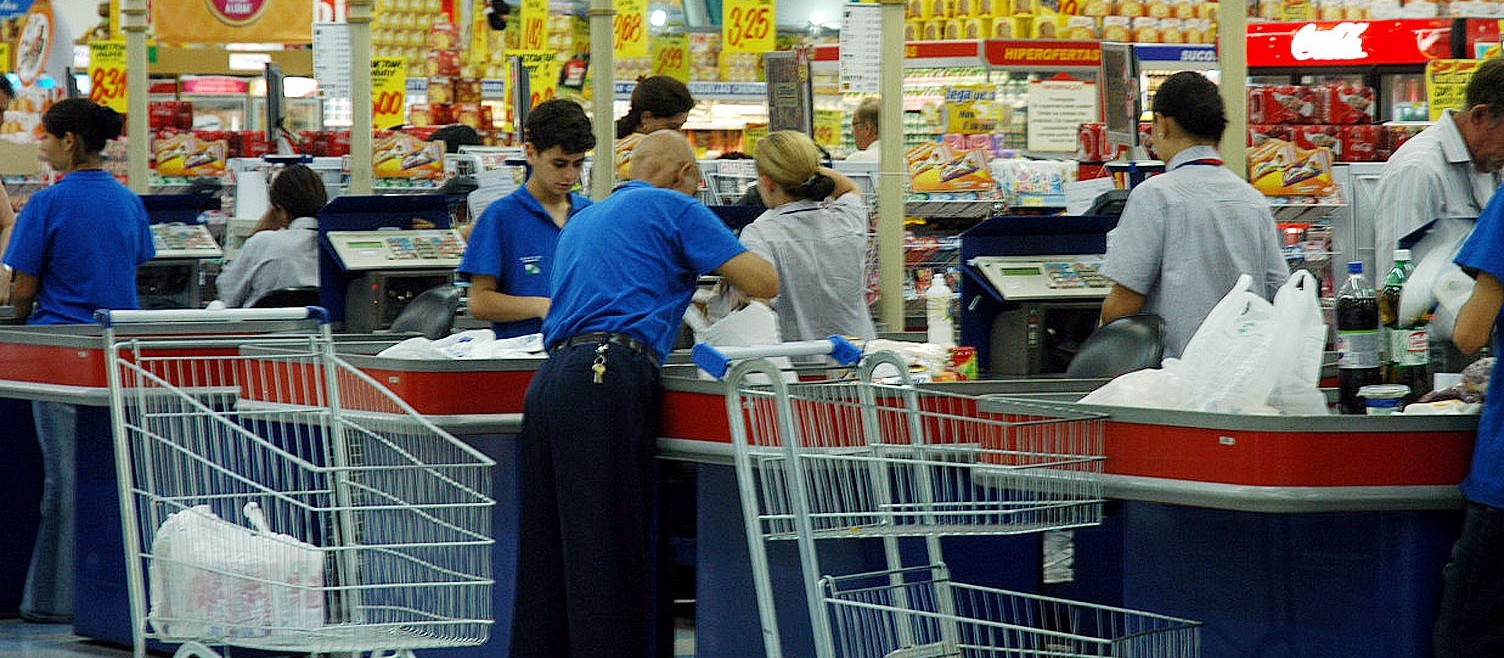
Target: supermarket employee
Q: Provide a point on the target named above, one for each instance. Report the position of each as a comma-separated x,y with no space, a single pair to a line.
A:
511,250
1448,170
1187,234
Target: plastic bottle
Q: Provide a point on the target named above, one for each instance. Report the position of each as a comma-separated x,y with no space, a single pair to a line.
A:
1358,339
1407,346
937,302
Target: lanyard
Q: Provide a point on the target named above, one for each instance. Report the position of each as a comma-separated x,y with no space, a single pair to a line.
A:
1209,162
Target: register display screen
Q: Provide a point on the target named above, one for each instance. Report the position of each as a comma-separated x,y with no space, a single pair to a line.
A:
366,245
1019,271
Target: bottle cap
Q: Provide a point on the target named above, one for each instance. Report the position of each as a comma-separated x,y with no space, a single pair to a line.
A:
1401,254
1355,267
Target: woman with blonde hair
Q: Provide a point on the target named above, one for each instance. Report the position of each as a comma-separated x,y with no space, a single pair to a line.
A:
815,233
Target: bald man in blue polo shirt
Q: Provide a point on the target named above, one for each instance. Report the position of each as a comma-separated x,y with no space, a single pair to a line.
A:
624,271
511,250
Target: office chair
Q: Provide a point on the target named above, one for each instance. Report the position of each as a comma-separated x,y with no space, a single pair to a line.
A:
430,314
1122,346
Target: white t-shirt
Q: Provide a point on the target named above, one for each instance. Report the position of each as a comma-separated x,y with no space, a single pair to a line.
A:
868,154
820,252
271,260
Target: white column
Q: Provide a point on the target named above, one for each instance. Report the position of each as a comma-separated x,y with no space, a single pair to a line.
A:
358,14
138,147
1232,58
603,88
891,169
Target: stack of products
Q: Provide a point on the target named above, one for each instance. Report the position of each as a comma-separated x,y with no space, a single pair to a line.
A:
1142,21
1338,118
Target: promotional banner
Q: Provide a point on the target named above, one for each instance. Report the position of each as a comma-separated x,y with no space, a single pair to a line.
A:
631,28
542,74
1446,84
232,21
388,91
747,26
107,74
35,27
671,56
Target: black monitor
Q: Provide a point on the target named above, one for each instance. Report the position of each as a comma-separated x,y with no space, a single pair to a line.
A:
274,95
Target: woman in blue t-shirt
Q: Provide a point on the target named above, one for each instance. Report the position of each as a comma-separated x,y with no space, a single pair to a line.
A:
75,249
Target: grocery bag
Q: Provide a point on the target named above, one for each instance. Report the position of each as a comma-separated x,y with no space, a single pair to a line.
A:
212,579
1227,361
1300,342
753,324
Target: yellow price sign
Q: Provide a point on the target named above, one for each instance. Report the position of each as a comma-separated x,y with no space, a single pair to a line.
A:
754,133
534,24
631,29
5,57
747,26
1446,84
388,91
828,127
106,74
542,74
671,56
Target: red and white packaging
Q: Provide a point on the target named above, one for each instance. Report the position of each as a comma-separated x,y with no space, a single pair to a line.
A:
1347,104
1361,143
1314,137
1258,134
1091,142
1291,104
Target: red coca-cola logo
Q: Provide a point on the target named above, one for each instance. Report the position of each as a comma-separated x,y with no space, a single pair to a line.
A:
237,12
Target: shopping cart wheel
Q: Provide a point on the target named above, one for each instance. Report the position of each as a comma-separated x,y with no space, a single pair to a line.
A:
195,650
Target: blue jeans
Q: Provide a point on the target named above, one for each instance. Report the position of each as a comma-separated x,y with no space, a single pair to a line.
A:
1471,621
49,581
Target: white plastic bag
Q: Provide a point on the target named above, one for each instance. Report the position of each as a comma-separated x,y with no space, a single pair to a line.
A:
213,579
1433,256
753,324
1300,341
1153,388
1226,361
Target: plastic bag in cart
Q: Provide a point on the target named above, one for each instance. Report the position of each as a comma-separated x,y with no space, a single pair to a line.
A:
1299,344
213,579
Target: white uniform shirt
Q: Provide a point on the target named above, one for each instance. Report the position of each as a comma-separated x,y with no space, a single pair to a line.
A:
1184,238
1429,177
868,154
819,251
271,260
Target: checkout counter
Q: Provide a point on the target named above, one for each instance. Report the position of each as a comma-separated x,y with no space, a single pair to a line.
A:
1030,291
372,262
175,278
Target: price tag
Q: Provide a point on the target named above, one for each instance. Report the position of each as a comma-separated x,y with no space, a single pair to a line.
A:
1446,84
631,28
754,133
534,24
828,127
747,26
671,56
388,91
542,74
107,74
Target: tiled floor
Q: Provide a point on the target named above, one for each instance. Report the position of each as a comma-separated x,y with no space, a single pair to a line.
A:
22,640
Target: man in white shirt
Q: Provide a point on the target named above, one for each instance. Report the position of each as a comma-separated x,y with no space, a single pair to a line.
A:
1449,170
864,130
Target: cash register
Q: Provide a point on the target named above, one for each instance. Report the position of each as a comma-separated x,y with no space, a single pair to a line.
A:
1031,291
174,279
372,262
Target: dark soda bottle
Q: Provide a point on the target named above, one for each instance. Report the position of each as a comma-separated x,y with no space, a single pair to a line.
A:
1407,345
1358,339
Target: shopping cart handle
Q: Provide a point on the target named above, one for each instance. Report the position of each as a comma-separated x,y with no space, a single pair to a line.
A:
109,318
717,360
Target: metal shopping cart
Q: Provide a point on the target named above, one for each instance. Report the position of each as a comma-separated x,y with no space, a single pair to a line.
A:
370,528
855,458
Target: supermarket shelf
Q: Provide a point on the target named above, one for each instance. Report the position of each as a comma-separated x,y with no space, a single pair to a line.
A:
712,91
1305,212
954,209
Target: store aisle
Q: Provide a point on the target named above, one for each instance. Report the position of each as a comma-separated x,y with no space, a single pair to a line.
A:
22,640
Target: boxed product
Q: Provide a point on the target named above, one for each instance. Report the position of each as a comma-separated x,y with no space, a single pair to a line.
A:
934,29
429,114
1158,9
1130,8
1291,104
1046,27
170,114
1185,9
953,29
1319,136
467,90
1361,143
913,30
937,167
1013,7
441,90
1171,30
1092,145
976,28
1260,133
443,63
400,155
1117,28
1033,183
1279,168
1347,104
186,154
252,144
444,36
1195,30
1145,30
1082,28
1393,137
920,9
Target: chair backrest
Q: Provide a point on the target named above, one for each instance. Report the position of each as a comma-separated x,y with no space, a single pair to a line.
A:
1122,346
284,297
430,314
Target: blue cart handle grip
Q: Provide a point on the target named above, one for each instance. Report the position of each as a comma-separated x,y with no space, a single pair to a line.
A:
717,360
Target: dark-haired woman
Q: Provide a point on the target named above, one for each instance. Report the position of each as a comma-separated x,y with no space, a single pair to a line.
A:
658,103
1186,235
75,249
284,250
815,233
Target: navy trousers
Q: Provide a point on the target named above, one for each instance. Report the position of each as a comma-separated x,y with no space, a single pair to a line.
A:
585,560
1471,621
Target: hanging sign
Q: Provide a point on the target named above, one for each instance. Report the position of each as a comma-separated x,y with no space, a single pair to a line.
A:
107,74
671,56
233,21
534,24
828,127
631,29
754,133
388,91
1446,84
861,54
542,74
747,26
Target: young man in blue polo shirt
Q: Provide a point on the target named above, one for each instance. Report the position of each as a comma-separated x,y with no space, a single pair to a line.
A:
511,250
623,275
1471,620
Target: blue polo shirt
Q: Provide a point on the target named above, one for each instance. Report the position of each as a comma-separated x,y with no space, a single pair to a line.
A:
82,238
1484,250
514,241
629,263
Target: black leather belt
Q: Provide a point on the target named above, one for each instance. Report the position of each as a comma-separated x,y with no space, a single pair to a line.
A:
610,338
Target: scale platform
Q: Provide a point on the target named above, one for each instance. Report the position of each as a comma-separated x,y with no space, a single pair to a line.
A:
421,249
184,241
1024,278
